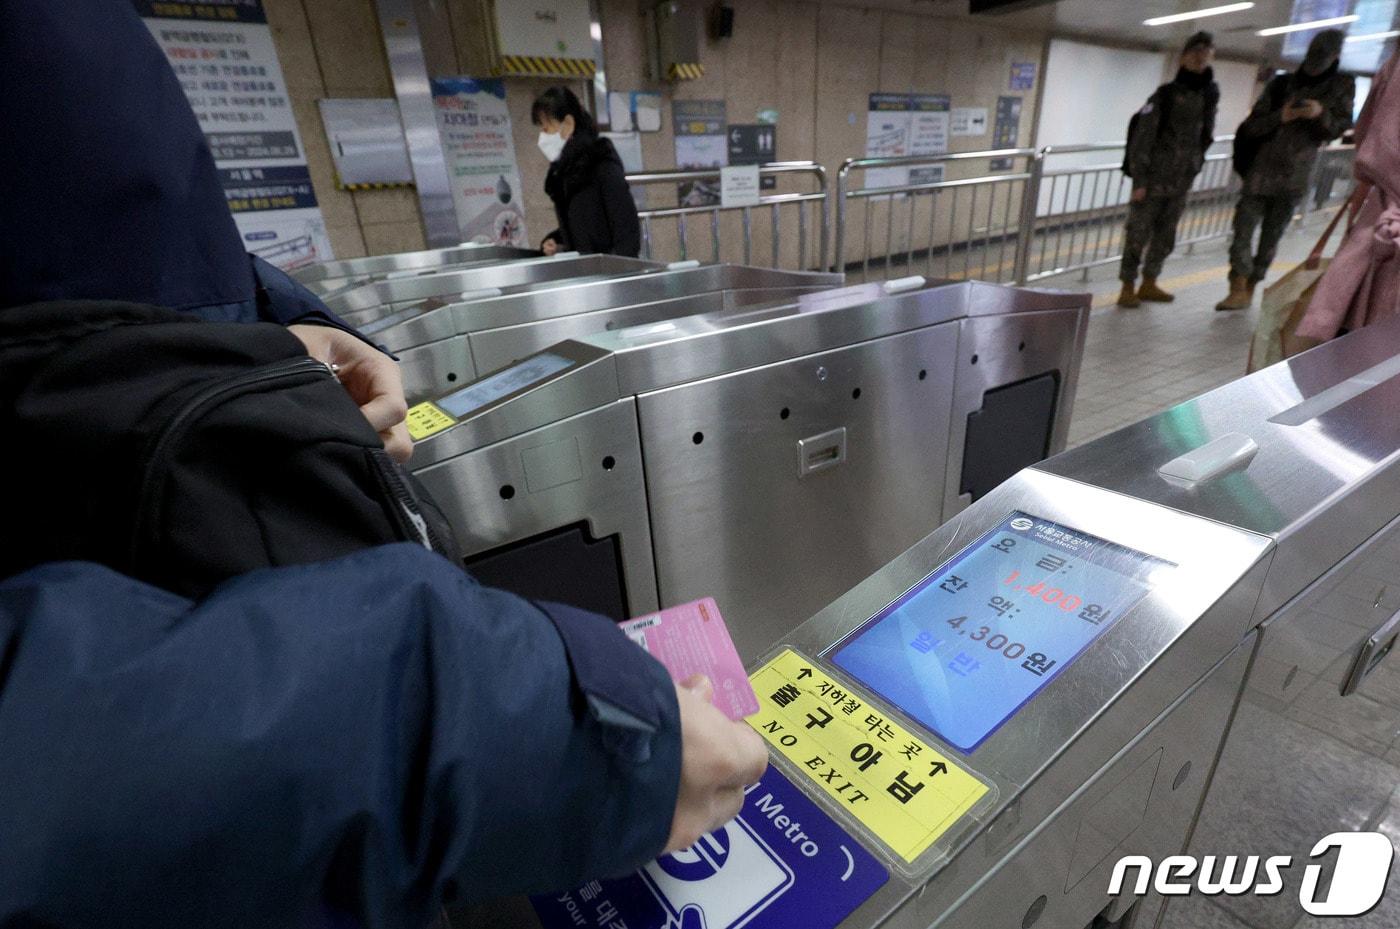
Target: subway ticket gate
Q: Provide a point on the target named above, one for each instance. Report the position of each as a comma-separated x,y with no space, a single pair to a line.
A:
768,458
328,276
368,302
454,344
1077,670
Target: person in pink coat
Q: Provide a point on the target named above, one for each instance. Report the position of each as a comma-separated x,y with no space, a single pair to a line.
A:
1362,284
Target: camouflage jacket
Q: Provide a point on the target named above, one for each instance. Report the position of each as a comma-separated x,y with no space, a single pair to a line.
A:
1173,131
1288,150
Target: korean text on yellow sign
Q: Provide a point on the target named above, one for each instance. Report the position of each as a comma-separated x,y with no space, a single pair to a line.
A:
901,788
425,419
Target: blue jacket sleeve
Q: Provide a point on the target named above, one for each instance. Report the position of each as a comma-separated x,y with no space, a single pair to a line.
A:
369,737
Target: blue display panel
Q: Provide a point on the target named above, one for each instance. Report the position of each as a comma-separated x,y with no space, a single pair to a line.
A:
971,643
506,381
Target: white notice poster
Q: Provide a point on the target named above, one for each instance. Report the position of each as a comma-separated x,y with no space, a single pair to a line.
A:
738,185
475,128
969,121
222,53
887,136
929,118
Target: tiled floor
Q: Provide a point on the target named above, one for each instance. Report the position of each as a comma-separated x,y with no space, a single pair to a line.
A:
1140,362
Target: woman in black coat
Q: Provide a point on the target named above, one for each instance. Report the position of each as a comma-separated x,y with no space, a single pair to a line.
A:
586,181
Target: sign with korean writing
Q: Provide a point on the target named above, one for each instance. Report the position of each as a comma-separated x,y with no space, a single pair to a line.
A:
738,186
475,128
972,643
969,121
887,136
427,418
929,119
1006,130
701,142
223,55
781,864
1022,75
900,787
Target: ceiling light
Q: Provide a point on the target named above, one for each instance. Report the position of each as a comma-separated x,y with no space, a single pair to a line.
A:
1374,36
1315,24
1198,14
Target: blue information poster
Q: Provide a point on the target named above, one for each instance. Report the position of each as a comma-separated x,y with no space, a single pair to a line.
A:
973,642
780,864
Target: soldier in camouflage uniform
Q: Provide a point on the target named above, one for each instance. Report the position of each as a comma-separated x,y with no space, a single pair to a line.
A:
1166,148
1296,113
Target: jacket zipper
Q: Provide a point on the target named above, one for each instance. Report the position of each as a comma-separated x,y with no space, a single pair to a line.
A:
416,525
197,405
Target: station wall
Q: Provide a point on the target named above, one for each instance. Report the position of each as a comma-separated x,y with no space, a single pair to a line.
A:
816,63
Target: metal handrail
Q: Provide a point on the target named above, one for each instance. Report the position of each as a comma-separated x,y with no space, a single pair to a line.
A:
844,194
772,201
1086,227
1026,222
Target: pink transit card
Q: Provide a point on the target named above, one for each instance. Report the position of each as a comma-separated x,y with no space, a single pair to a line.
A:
692,639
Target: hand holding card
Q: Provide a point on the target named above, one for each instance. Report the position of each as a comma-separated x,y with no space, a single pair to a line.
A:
692,639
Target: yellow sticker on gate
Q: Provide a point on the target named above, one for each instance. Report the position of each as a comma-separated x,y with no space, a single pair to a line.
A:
427,418
901,788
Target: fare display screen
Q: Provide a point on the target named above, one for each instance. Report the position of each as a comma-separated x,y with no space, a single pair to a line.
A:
506,381
973,642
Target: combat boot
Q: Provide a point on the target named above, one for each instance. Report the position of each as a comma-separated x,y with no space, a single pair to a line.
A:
1150,291
1239,297
1127,297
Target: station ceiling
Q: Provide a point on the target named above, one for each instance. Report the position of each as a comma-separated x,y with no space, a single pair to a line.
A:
1121,22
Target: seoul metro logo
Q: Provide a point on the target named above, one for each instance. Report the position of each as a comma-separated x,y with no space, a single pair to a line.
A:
702,860
1359,874
722,881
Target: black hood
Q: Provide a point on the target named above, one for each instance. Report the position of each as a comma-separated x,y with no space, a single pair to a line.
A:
109,190
1325,46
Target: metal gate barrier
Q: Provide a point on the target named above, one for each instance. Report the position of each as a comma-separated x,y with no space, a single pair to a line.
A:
330,276
364,304
1178,636
769,456
445,347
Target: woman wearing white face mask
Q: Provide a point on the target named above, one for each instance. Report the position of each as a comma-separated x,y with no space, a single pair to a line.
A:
586,181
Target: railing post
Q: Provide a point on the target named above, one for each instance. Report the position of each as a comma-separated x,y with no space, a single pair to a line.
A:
838,257
1025,231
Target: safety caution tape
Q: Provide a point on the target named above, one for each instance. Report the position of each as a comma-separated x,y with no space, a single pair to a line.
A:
538,66
685,72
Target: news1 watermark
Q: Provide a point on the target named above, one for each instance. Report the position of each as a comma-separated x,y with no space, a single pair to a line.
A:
1359,875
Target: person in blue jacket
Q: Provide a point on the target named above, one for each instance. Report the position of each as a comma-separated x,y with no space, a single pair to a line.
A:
351,741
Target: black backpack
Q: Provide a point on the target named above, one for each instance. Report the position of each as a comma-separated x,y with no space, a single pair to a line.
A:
184,452
1158,98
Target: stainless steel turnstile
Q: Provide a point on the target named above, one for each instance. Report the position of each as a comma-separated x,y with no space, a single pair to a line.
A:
368,302
768,458
439,349
1183,624
329,276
